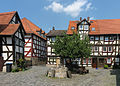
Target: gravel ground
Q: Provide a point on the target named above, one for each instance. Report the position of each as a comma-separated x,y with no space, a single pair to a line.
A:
36,77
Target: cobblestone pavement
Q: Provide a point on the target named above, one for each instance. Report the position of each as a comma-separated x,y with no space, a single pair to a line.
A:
36,77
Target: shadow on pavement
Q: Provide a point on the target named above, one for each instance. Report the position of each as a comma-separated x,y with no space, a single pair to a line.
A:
117,73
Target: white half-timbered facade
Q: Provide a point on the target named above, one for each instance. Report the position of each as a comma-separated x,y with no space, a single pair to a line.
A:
51,36
35,43
11,39
105,39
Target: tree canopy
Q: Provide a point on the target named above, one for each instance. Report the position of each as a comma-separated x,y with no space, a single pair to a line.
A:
72,46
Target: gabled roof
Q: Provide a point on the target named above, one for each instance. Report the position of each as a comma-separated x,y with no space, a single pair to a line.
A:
56,33
105,26
30,27
8,29
6,17
5,27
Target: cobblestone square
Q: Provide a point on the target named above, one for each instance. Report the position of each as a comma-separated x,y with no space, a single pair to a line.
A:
36,77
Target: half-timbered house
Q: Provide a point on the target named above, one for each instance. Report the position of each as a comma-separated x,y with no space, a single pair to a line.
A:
35,43
51,35
11,39
105,39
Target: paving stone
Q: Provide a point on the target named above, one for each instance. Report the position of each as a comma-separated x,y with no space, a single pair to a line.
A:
36,77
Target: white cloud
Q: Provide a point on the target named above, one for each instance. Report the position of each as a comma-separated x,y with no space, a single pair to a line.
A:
88,6
56,7
73,9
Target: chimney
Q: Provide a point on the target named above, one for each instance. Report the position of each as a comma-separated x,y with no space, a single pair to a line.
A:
80,18
53,28
88,19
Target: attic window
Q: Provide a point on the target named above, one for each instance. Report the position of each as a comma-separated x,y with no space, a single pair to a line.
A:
93,29
72,28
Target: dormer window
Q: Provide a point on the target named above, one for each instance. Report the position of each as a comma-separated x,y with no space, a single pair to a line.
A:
93,29
72,28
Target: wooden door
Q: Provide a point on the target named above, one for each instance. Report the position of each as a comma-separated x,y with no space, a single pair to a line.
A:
101,62
94,62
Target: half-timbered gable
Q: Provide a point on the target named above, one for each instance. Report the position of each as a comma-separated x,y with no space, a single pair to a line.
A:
51,56
35,42
11,38
104,36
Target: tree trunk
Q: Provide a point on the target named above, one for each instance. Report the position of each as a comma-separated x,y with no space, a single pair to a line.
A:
82,61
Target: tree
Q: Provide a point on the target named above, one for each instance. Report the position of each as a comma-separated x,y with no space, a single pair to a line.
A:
72,46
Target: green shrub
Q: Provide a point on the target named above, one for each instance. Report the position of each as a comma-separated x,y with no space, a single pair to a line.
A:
15,70
106,66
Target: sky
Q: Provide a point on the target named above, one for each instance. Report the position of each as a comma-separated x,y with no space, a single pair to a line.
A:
58,13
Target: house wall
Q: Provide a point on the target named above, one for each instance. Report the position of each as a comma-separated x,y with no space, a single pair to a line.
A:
51,56
35,48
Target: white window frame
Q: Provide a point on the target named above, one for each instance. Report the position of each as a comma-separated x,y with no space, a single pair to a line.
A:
109,49
91,38
96,38
95,48
103,49
108,60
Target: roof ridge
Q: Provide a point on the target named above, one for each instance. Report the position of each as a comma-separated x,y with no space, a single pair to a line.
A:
7,13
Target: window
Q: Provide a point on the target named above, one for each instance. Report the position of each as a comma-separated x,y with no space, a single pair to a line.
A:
89,61
92,48
93,29
101,38
72,28
111,38
53,39
81,27
108,60
96,48
96,38
86,27
109,49
116,59
91,37
104,49
48,38
106,38
84,61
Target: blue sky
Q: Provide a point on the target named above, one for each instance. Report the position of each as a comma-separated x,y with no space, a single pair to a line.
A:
58,13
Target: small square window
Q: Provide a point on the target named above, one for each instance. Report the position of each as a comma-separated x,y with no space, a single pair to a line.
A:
111,38
86,27
101,38
106,38
96,38
91,38
93,29
72,28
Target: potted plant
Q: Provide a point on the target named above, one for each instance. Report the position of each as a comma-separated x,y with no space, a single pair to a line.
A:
105,66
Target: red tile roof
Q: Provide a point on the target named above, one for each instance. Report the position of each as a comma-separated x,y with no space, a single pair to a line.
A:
72,24
105,26
31,28
8,29
6,17
5,27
